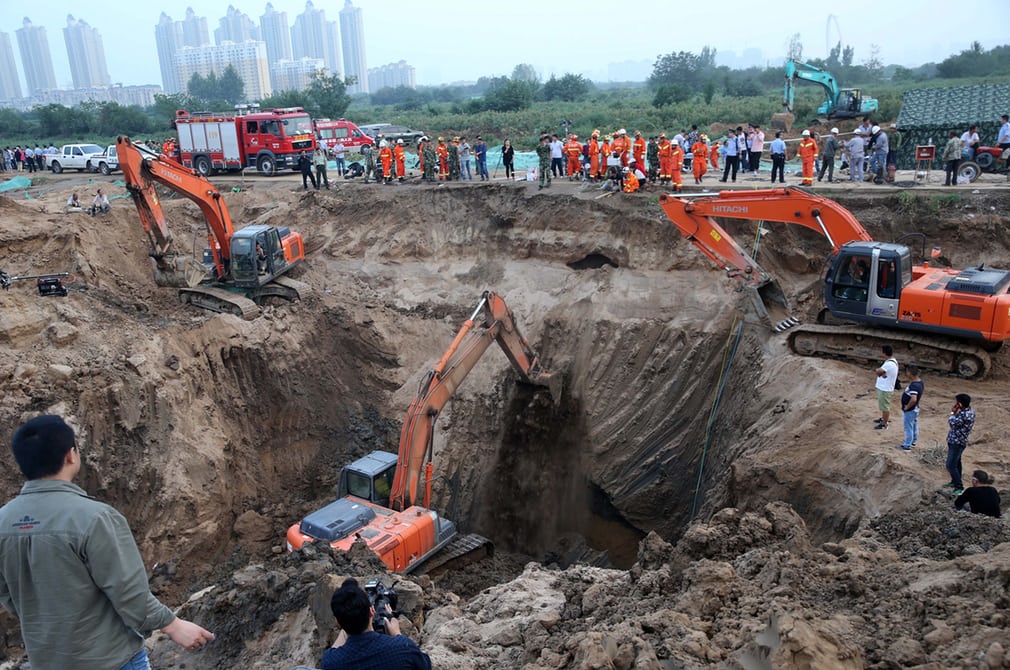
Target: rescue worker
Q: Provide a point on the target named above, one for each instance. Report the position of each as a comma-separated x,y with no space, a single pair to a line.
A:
594,155
421,144
453,158
807,152
369,153
713,157
621,145
652,154
699,162
604,152
386,158
677,166
399,154
429,160
638,148
544,155
664,152
630,180
442,152
573,150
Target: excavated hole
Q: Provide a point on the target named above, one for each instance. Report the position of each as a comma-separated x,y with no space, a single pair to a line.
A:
593,262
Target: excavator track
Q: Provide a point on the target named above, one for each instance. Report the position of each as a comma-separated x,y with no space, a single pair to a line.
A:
863,343
460,551
220,300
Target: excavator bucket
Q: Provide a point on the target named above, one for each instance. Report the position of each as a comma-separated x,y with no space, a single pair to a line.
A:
178,271
551,381
771,305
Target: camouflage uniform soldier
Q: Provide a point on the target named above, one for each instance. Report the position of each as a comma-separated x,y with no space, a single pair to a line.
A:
544,154
366,151
652,155
430,160
454,159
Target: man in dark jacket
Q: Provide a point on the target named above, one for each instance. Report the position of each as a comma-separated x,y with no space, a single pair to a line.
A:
305,167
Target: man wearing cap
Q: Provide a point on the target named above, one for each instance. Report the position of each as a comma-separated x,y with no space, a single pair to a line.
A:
699,164
731,155
429,159
778,148
878,163
630,180
621,146
594,155
70,570
676,167
400,158
544,152
664,151
807,152
652,155
828,157
573,150
638,148
604,153
442,152
454,166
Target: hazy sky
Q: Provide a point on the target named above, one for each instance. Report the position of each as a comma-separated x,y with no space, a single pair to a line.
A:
454,40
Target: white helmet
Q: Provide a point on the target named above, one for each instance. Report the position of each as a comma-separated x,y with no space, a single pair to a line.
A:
834,131
875,129
622,131
625,170
383,144
399,141
806,133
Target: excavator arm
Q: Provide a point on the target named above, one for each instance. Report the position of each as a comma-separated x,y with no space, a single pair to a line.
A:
695,218
796,70
142,169
438,385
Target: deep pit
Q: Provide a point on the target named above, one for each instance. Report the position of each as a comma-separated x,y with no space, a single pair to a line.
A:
212,434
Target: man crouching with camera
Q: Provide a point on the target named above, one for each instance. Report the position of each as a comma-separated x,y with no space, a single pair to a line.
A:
358,645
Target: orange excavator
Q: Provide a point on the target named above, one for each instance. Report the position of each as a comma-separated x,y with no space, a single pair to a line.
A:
378,493
240,268
943,319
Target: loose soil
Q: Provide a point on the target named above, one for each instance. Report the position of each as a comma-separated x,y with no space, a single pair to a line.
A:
631,531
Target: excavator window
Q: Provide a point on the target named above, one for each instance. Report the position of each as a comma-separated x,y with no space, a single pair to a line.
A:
359,485
886,279
853,279
383,486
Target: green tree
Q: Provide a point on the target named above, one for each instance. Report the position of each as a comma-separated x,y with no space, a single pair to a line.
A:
671,94
569,88
286,99
59,121
328,95
795,48
682,68
848,53
525,72
115,119
708,91
231,88
13,123
165,107
834,60
512,96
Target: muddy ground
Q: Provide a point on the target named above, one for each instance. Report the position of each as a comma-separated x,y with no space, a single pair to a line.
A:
784,533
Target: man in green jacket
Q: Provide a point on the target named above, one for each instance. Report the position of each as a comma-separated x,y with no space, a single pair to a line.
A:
70,570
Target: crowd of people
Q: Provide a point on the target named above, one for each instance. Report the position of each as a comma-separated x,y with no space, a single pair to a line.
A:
25,159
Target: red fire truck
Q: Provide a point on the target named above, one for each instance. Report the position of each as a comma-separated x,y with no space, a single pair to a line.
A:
329,132
268,140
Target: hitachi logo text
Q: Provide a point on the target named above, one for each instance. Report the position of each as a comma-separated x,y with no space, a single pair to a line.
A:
731,209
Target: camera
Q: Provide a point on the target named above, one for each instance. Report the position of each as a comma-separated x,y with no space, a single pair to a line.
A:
381,597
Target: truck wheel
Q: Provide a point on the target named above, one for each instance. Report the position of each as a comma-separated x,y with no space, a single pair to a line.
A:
266,166
56,167
985,160
202,165
969,169
103,167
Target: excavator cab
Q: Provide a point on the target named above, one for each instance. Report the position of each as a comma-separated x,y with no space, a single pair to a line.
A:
865,280
369,478
257,256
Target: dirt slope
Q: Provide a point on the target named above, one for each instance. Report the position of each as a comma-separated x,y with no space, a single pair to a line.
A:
213,434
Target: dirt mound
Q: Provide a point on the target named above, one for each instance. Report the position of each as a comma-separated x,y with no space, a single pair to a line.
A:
213,434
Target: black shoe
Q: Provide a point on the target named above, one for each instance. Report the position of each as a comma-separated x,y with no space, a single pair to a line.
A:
880,426
878,420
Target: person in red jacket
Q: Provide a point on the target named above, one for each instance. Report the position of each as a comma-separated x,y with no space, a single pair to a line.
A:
400,156
594,155
386,158
621,145
604,152
699,162
808,154
630,181
665,151
713,156
574,152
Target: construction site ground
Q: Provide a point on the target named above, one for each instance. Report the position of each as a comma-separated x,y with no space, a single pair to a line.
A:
634,526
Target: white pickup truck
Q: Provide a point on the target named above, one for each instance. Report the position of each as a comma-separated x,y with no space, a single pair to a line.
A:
79,157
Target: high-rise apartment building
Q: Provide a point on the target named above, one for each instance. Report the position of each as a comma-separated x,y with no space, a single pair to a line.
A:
36,60
236,26
194,30
352,40
168,38
248,58
275,31
86,54
295,75
313,36
10,87
391,76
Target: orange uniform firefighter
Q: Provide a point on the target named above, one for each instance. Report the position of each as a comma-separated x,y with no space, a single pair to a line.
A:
399,154
630,181
594,155
621,145
574,152
386,158
713,156
442,151
676,165
699,162
638,148
604,153
665,151
808,155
